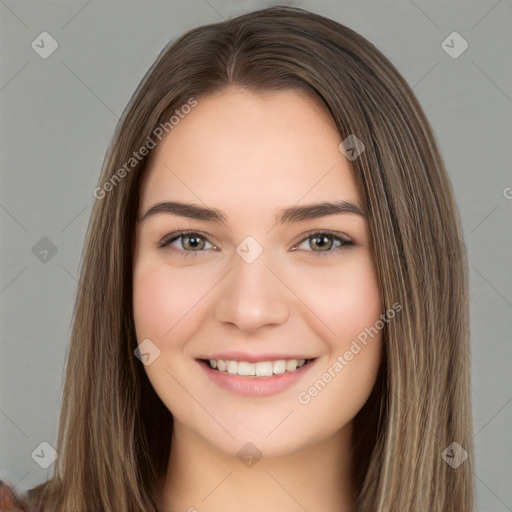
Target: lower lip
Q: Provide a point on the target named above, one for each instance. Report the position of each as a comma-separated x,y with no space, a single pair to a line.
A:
256,386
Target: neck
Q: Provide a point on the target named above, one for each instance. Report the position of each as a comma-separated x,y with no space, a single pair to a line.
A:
200,478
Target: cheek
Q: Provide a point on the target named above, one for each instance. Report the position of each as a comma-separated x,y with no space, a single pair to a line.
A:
349,303
153,305
345,299
359,304
162,298
165,311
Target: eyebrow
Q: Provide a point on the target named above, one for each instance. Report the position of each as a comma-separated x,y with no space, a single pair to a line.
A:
284,216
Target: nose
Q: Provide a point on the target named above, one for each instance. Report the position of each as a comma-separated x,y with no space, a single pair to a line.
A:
253,295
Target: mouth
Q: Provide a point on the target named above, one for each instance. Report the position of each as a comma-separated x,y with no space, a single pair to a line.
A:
256,369
256,378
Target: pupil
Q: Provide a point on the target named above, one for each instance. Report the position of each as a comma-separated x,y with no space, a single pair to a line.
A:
324,239
193,241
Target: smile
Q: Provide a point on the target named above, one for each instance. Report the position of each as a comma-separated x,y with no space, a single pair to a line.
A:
257,378
258,369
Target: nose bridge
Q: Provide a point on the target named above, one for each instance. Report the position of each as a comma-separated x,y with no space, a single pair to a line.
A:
251,295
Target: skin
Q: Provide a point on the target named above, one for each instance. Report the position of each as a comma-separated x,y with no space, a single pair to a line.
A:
250,154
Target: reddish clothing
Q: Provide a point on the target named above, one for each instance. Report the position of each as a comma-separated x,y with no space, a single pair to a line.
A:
10,501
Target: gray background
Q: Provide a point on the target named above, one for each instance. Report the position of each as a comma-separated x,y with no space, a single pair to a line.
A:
57,118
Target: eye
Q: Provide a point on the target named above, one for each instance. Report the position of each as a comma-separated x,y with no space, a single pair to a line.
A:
191,241
325,241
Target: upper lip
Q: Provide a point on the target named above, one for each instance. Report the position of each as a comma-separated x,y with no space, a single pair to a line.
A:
254,358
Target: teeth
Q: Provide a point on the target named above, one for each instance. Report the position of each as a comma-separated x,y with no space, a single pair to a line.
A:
245,368
263,369
291,365
279,366
232,367
260,369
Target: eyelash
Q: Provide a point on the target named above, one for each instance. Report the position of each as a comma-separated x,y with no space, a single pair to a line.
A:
172,237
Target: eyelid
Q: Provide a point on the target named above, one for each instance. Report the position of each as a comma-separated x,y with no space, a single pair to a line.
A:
336,234
171,237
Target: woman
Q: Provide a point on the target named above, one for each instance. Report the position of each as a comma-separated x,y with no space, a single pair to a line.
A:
219,360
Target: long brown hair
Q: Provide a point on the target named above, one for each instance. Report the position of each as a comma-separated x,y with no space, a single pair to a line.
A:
115,433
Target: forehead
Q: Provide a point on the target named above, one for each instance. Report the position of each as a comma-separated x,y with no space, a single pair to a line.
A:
245,148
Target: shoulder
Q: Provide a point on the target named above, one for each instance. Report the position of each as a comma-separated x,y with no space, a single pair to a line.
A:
11,501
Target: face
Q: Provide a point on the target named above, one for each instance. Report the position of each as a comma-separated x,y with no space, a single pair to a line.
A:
248,290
